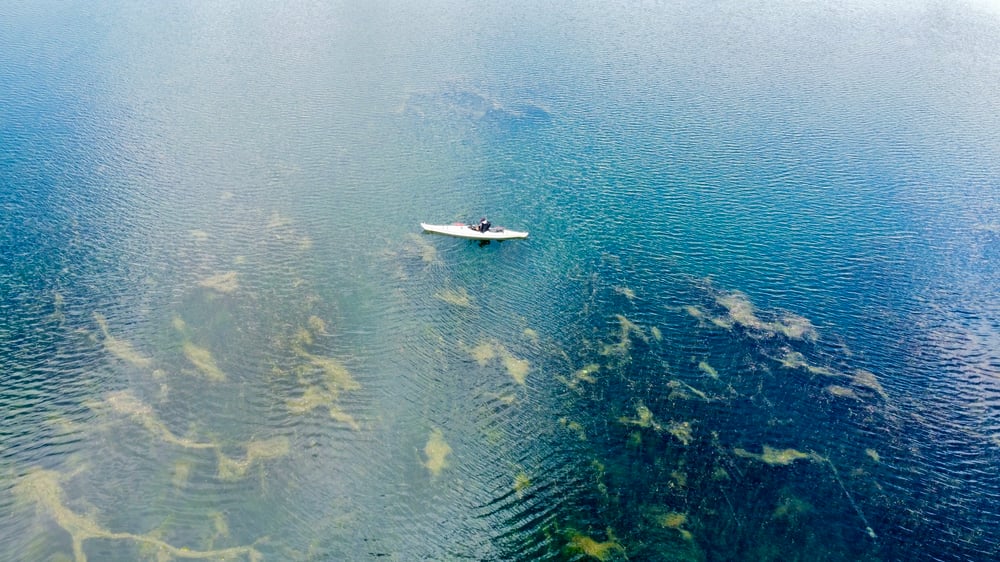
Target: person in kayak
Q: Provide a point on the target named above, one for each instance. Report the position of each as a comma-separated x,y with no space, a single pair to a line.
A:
484,225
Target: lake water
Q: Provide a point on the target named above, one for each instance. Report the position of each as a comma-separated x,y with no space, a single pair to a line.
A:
757,316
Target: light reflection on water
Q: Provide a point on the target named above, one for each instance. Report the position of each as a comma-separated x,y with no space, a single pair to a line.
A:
742,327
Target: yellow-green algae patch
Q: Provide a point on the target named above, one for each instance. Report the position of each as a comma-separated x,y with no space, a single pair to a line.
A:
741,311
841,391
656,333
222,282
682,390
574,426
517,368
795,360
873,455
589,546
335,374
675,520
521,483
681,431
118,347
643,418
203,361
316,325
790,507
585,374
262,450
125,403
531,335
627,329
459,297
866,379
483,353
181,473
708,369
318,397
42,488
778,457
436,450
625,292
488,350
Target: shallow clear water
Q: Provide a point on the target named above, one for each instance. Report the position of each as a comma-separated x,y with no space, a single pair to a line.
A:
756,318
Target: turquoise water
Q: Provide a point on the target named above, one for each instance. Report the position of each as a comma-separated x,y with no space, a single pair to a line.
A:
756,317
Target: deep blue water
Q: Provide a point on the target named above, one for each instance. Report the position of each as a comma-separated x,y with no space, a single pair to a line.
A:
757,316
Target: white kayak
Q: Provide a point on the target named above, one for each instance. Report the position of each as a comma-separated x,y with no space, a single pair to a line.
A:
461,230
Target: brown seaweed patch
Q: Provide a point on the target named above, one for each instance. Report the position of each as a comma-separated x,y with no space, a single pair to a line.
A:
263,450
42,488
455,297
222,282
120,348
778,457
436,451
